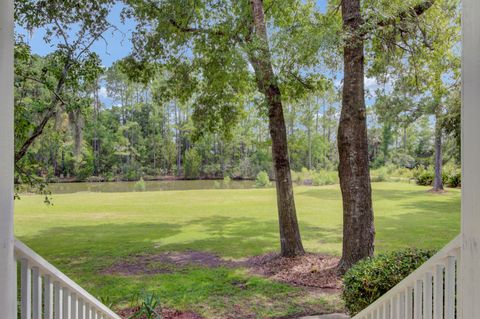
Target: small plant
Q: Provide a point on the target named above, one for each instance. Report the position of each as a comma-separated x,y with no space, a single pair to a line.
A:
106,301
262,179
148,306
140,186
370,278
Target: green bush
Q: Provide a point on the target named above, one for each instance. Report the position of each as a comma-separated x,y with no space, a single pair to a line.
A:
370,278
380,175
192,164
325,178
454,179
424,176
262,179
140,186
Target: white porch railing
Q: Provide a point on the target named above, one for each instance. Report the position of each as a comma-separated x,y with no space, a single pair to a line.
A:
428,293
47,293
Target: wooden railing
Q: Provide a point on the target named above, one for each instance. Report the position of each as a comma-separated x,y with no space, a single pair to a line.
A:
47,293
428,293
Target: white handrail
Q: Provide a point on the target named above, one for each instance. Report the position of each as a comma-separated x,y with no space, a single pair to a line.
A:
429,292
61,295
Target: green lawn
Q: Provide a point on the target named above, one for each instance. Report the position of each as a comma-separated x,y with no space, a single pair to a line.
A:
84,233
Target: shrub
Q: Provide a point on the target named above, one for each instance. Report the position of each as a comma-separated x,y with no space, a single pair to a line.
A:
454,179
262,179
370,278
192,164
424,176
140,186
380,175
325,178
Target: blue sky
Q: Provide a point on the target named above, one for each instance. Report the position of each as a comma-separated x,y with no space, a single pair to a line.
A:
118,45
118,42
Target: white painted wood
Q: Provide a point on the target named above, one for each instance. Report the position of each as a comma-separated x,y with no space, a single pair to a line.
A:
394,306
469,294
88,312
23,252
37,293
48,297
417,303
8,271
81,309
58,303
438,293
428,296
450,288
74,302
401,306
67,310
409,303
26,289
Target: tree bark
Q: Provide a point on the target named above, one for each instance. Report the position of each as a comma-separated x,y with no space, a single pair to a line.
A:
290,240
358,226
438,180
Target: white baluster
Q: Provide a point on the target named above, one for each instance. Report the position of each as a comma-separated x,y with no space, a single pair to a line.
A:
427,296
401,306
88,312
74,305
67,310
386,310
37,293
409,303
394,302
58,304
450,288
26,290
48,296
417,306
438,293
81,309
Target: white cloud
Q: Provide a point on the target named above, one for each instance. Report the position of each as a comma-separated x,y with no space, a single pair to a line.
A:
103,92
371,84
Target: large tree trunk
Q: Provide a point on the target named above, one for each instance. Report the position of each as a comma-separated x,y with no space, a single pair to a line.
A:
358,226
290,240
438,181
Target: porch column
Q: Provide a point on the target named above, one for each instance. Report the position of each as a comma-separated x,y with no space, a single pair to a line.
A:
469,288
7,266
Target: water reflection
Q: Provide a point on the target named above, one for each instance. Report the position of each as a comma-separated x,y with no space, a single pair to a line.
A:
110,187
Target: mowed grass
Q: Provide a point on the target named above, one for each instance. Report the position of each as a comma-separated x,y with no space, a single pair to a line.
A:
84,233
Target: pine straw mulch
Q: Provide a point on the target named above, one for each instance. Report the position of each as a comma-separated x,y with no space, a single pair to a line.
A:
309,270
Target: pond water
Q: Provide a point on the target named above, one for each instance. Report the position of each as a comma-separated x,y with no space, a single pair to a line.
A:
109,187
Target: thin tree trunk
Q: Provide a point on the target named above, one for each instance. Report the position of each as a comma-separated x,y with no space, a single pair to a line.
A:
290,240
438,181
358,226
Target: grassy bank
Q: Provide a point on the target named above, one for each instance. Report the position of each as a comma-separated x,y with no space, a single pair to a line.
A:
85,233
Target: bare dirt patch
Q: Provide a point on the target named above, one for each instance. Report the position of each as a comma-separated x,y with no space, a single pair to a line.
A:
166,314
309,270
167,262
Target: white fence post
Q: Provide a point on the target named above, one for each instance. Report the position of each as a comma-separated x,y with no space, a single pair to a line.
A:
8,297
469,284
